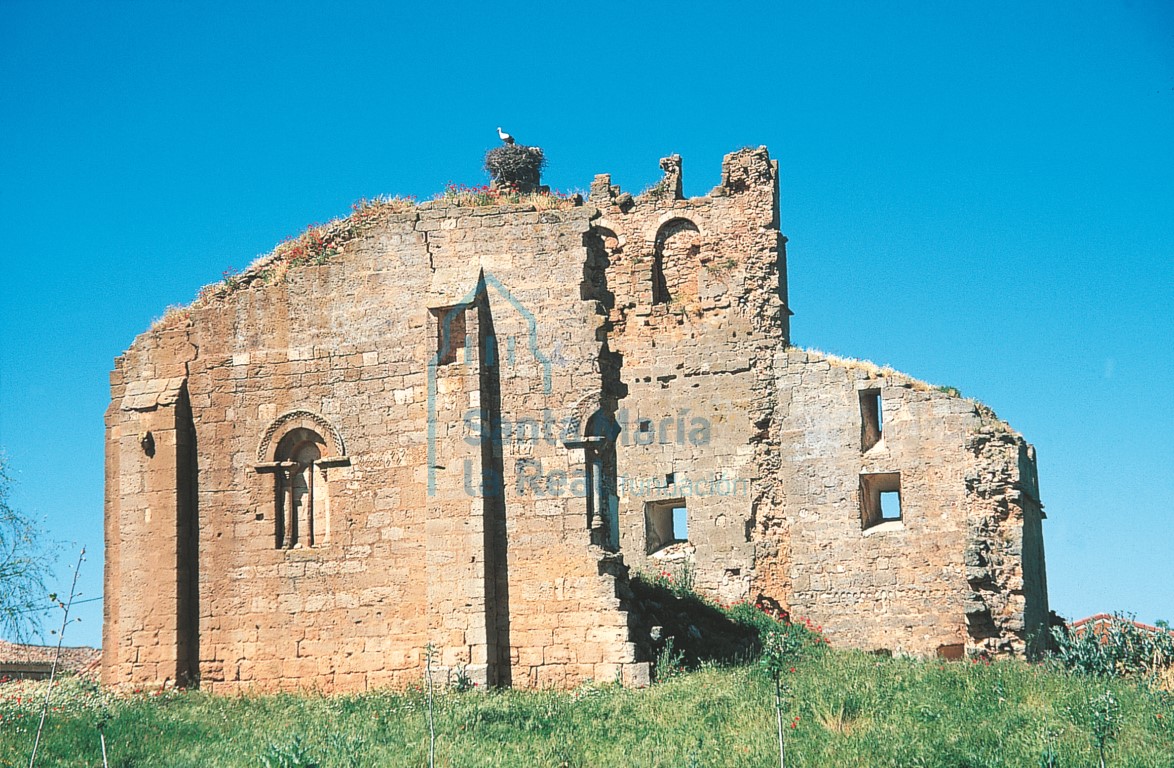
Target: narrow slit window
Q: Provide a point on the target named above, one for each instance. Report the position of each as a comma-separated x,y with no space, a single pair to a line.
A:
880,498
450,333
871,418
660,288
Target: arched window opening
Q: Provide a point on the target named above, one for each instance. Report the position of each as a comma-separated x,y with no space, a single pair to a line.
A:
302,516
603,515
675,260
599,460
300,449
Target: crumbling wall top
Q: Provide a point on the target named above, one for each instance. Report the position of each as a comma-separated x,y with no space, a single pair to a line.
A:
746,170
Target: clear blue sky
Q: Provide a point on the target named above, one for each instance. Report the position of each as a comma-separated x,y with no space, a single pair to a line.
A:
980,194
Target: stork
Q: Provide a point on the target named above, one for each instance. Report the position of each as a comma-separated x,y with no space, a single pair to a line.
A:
504,136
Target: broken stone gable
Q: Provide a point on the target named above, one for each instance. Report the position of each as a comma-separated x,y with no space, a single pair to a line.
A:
462,426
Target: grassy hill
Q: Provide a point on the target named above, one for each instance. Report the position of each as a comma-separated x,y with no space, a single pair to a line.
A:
843,708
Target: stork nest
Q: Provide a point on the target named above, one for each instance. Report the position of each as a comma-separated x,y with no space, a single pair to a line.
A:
516,165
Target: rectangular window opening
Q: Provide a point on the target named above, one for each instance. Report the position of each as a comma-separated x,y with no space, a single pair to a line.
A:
450,333
871,418
880,498
665,523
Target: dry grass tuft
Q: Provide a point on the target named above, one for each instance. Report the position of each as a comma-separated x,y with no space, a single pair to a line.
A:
313,247
841,719
176,314
486,195
1165,679
917,385
885,371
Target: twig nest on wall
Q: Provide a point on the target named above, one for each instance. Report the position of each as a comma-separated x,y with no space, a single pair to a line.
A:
515,165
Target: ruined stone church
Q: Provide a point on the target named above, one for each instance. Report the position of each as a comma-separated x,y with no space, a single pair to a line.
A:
462,424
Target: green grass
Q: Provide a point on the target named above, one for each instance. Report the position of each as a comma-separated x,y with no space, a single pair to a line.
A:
854,709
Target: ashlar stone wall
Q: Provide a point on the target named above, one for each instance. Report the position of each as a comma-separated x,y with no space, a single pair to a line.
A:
459,427
423,532
699,312
903,584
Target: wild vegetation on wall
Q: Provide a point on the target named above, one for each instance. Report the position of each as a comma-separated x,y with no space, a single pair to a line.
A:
315,246
320,243
490,195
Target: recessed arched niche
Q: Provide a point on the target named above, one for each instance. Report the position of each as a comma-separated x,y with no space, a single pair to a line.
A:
299,449
675,261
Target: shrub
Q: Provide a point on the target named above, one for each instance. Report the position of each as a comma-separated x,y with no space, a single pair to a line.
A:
1120,649
1101,715
669,663
295,754
781,647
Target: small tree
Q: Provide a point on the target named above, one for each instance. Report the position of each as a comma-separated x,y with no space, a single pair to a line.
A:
780,649
24,561
429,657
65,607
1104,716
